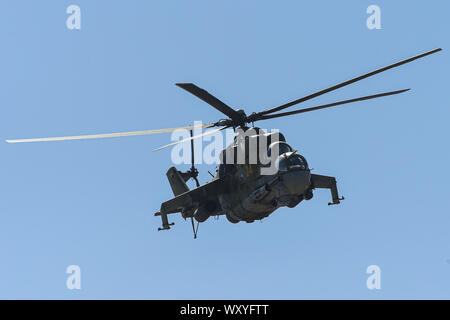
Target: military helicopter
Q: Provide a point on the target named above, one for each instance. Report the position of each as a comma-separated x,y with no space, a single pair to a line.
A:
241,190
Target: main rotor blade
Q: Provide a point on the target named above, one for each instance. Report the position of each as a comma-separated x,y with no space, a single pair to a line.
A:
346,83
192,138
210,99
283,114
112,135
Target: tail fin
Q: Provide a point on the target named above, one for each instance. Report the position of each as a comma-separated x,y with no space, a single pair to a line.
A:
176,181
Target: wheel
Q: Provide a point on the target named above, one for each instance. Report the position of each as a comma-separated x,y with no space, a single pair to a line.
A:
308,195
294,203
231,219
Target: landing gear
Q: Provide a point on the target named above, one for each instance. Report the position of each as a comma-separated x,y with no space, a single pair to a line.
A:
201,215
293,204
308,195
231,219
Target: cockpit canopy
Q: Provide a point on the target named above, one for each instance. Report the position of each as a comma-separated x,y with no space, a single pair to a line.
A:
291,161
282,146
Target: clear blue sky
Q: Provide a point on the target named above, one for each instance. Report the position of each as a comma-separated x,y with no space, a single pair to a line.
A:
91,203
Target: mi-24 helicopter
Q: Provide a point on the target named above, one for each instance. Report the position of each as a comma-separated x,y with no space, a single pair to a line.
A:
241,190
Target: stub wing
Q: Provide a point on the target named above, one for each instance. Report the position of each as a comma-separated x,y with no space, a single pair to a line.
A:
190,200
193,198
326,182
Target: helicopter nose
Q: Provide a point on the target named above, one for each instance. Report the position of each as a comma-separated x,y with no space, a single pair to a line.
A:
296,182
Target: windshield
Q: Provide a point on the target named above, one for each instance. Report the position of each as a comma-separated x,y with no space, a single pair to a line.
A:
297,161
283,147
292,162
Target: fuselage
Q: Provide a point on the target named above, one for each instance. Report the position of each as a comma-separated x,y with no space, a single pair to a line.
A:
257,189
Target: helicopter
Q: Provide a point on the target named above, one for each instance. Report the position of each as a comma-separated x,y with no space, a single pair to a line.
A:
244,188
